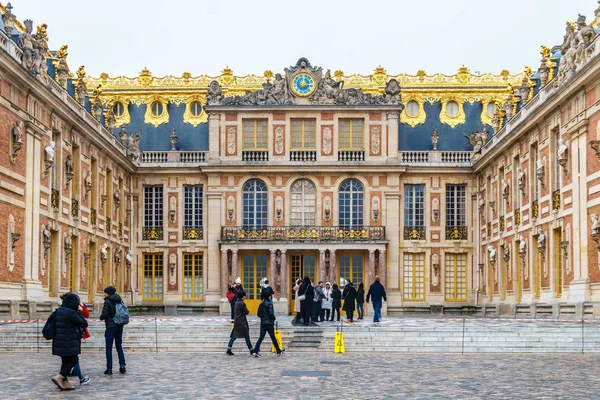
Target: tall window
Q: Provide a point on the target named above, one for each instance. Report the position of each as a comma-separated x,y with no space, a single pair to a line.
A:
456,213
557,179
515,184
351,134
455,277
414,205
303,203
192,206
153,276
501,199
351,269
535,184
414,277
255,134
153,206
193,287
351,203
255,203
303,133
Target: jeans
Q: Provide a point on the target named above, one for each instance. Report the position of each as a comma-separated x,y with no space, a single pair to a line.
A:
264,329
114,335
77,370
325,314
376,311
317,311
248,343
360,309
68,363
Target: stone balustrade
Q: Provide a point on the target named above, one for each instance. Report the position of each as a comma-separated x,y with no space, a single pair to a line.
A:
156,158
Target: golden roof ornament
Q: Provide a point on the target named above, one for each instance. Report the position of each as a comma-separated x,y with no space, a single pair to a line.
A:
226,77
186,77
98,91
464,75
421,74
268,74
339,74
380,76
63,52
527,71
81,72
145,77
104,78
545,52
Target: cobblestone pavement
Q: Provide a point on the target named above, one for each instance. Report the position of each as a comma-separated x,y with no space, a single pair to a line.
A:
353,376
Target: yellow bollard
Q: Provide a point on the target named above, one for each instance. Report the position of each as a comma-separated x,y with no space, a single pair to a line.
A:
279,340
338,345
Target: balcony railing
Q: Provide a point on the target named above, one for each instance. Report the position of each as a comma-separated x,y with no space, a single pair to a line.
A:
255,155
54,198
489,230
302,233
303,155
435,157
93,216
152,233
414,157
74,208
556,200
535,209
120,229
456,233
193,233
351,155
517,216
502,223
414,233
108,226
164,157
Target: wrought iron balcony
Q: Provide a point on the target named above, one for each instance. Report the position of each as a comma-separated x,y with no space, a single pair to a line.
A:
75,208
54,198
456,233
517,216
93,216
108,226
152,233
502,223
303,233
489,230
351,155
193,233
255,155
556,200
120,229
535,209
414,233
303,155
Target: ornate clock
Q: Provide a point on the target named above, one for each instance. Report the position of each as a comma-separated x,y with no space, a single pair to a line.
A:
303,84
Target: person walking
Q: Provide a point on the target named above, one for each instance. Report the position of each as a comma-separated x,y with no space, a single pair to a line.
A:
297,308
319,296
113,332
266,289
241,329
360,301
266,313
326,303
336,302
349,295
237,288
85,333
376,293
66,342
307,294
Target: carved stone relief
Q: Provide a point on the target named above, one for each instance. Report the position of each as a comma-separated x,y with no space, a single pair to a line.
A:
327,140
231,140
376,141
279,140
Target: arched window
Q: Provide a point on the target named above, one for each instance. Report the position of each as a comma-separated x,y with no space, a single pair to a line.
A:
255,203
351,203
303,203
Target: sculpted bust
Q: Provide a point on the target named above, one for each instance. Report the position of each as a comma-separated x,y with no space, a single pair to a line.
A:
492,252
50,152
595,224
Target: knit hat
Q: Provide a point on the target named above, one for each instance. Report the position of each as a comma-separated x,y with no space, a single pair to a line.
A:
110,290
238,280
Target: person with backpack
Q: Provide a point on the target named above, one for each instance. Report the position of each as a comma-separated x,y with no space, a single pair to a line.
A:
266,289
377,293
113,315
64,328
266,313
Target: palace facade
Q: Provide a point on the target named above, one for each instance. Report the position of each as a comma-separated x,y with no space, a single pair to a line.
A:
464,193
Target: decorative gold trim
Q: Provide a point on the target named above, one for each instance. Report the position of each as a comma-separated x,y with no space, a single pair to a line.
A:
421,115
460,116
190,118
125,118
156,120
293,89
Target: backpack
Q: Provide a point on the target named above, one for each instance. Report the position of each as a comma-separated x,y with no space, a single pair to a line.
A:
121,314
49,330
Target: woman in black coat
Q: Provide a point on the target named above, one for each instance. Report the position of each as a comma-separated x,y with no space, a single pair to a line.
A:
306,305
67,338
349,299
336,301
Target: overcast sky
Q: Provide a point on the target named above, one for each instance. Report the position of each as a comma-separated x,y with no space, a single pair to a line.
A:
203,36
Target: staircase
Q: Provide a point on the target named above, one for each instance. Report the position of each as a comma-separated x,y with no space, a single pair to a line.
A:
306,339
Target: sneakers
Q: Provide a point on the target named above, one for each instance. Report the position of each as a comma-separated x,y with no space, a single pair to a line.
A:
108,372
282,352
257,354
229,352
122,370
85,381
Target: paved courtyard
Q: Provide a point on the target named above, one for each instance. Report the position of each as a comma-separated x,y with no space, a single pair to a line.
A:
351,376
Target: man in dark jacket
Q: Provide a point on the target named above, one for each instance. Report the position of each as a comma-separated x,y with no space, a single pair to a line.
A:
349,295
266,313
241,329
113,332
67,338
319,296
377,292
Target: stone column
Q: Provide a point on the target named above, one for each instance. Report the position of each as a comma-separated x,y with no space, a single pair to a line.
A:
392,137
224,272
322,269
213,135
332,267
371,270
284,275
382,267
273,270
234,265
213,270
392,233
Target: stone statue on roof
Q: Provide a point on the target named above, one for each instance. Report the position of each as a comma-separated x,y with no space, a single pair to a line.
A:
132,143
328,91
568,49
278,91
26,41
476,140
214,96
584,36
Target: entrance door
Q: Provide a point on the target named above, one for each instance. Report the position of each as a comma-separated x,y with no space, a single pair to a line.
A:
254,268
302,265
351,269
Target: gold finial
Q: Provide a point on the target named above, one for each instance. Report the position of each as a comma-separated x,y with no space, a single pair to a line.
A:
572,24
63,51
145,77
268,74
339,74
463,70
186,77
527,72
41,31
463,75
545,52
380,76
81,72
505,73
226,77
421,74
98,91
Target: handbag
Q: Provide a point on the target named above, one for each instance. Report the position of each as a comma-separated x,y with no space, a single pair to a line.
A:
302,297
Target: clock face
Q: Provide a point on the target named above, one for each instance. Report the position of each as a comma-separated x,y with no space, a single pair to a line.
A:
303,84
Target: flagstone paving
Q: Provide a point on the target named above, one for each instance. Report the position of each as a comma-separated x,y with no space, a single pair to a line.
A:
352,376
